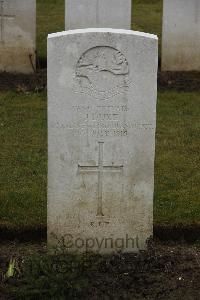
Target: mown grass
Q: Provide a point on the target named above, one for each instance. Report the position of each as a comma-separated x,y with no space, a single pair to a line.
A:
50,18
146,17
177,186
23,160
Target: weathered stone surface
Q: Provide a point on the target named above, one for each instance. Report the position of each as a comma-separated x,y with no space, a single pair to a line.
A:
102,87
181,35
17,35
97,13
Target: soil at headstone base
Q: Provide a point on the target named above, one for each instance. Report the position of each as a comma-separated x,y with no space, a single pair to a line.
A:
167,271
23,83
180,81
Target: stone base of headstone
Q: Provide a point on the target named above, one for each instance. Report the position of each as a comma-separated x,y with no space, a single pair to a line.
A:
17,60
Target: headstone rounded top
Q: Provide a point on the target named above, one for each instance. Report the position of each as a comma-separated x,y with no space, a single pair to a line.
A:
102,30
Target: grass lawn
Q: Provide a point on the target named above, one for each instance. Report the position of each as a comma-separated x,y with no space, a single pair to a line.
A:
23,139
50,18
177,159
23,161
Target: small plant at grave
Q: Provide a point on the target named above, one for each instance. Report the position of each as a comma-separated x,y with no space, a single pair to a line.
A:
55,277
61,276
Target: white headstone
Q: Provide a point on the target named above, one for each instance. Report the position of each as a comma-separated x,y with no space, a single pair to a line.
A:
97,13
17,35
102,87
181,35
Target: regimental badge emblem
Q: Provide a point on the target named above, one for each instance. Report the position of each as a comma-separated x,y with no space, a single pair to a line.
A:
102,73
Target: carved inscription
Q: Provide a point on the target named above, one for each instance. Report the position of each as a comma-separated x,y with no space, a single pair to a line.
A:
101,121
102,73
99,169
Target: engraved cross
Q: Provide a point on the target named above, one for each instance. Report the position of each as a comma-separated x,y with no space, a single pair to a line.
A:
100,169
3,16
